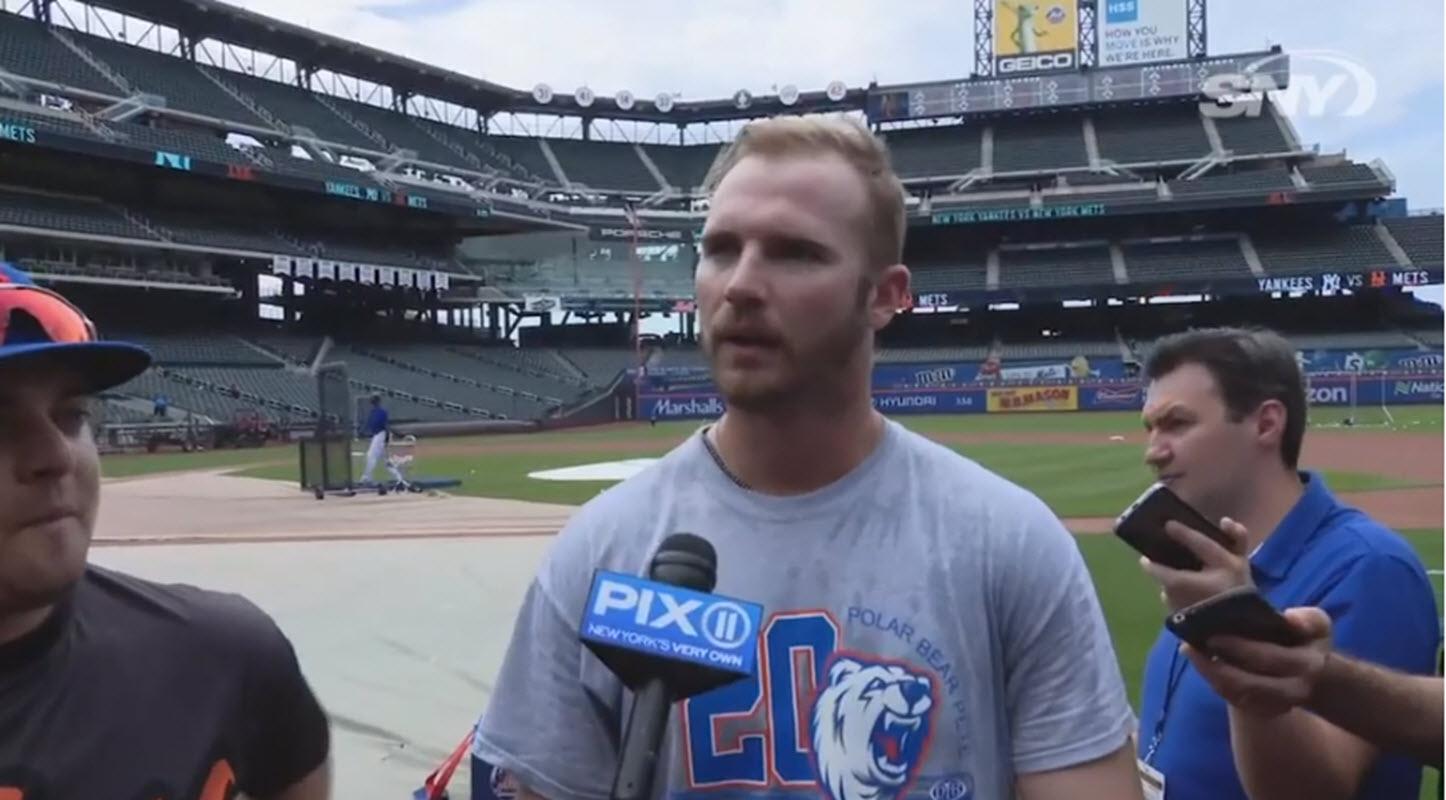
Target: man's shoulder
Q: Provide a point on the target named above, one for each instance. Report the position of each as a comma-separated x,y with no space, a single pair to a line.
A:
1349,542
220,619
1353,533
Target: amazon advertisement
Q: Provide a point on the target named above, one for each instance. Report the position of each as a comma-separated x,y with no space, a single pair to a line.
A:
1034,36
1032,398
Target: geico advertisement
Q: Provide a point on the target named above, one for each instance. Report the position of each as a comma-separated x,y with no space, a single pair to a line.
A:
1034,398
1035,36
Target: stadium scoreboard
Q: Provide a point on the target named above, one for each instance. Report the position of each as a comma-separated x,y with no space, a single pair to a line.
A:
1062,89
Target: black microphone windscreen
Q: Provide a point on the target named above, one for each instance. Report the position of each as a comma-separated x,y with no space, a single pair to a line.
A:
687,560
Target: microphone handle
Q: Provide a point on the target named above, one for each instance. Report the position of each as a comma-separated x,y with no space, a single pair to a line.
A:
641,742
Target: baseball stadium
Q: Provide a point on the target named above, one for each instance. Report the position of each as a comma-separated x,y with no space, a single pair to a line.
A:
295,224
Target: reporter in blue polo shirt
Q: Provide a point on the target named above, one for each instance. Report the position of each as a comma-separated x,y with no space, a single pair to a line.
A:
1225,413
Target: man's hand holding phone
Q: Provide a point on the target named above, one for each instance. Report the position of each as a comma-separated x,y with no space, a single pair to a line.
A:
1263,678
1223,567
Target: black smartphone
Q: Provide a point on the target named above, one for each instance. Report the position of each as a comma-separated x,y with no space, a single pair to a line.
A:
1142,526
1242,612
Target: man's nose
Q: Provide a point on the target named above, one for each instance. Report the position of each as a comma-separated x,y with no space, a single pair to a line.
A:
746,281
41,451
1157,453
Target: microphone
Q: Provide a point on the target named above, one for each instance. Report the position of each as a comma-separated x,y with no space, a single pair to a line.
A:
667,639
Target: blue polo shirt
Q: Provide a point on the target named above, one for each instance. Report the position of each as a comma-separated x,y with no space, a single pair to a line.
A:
1382,609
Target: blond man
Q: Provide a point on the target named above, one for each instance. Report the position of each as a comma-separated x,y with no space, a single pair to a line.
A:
930,629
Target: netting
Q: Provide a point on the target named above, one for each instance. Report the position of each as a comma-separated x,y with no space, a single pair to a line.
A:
326,457
334,402
1349,399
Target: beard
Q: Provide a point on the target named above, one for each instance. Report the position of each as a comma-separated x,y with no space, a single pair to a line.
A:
799,376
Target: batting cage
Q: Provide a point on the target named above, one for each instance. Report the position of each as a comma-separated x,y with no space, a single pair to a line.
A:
326,457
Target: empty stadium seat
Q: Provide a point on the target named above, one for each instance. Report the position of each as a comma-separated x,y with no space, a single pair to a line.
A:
1250,134
604,165
197,348
1350,248
400,131
1420,237
1057,266
1349,340
1134,193
1194,259
173,78
297,106
59,213
1144,136
1058,348
940,277
1340,174
684,167
599,365
1039,143
906,355
933,152
27,48
525,151
1264,180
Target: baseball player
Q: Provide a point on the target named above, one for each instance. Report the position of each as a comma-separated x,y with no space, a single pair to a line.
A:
376,428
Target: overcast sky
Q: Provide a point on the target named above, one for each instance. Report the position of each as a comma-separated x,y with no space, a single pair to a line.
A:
711,49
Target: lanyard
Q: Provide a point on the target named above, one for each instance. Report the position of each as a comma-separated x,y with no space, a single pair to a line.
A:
1172,684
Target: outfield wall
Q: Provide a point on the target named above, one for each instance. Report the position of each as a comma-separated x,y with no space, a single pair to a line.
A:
698,399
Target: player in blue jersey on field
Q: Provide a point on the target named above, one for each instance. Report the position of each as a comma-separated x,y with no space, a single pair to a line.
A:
377,428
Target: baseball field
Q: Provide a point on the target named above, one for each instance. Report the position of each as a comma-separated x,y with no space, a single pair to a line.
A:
1086,466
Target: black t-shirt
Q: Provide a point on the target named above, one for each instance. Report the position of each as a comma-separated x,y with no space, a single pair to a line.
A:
135,690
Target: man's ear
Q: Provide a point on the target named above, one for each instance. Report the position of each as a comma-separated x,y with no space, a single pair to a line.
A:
891,295
1270,419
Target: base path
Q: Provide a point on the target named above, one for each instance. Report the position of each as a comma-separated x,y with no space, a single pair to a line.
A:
211,507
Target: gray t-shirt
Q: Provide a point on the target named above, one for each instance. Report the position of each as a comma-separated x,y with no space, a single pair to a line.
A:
930,630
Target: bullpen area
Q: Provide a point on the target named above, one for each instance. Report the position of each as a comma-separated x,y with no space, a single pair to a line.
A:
401,606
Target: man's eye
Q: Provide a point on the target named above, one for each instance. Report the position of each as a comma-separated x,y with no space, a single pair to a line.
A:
798,251
72,419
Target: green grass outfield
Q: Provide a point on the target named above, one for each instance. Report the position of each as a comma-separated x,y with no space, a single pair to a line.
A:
1096,479
1077,480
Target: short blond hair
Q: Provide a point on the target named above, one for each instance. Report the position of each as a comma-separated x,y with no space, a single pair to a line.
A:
842,136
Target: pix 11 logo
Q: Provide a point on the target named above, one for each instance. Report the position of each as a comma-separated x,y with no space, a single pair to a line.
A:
1322,83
